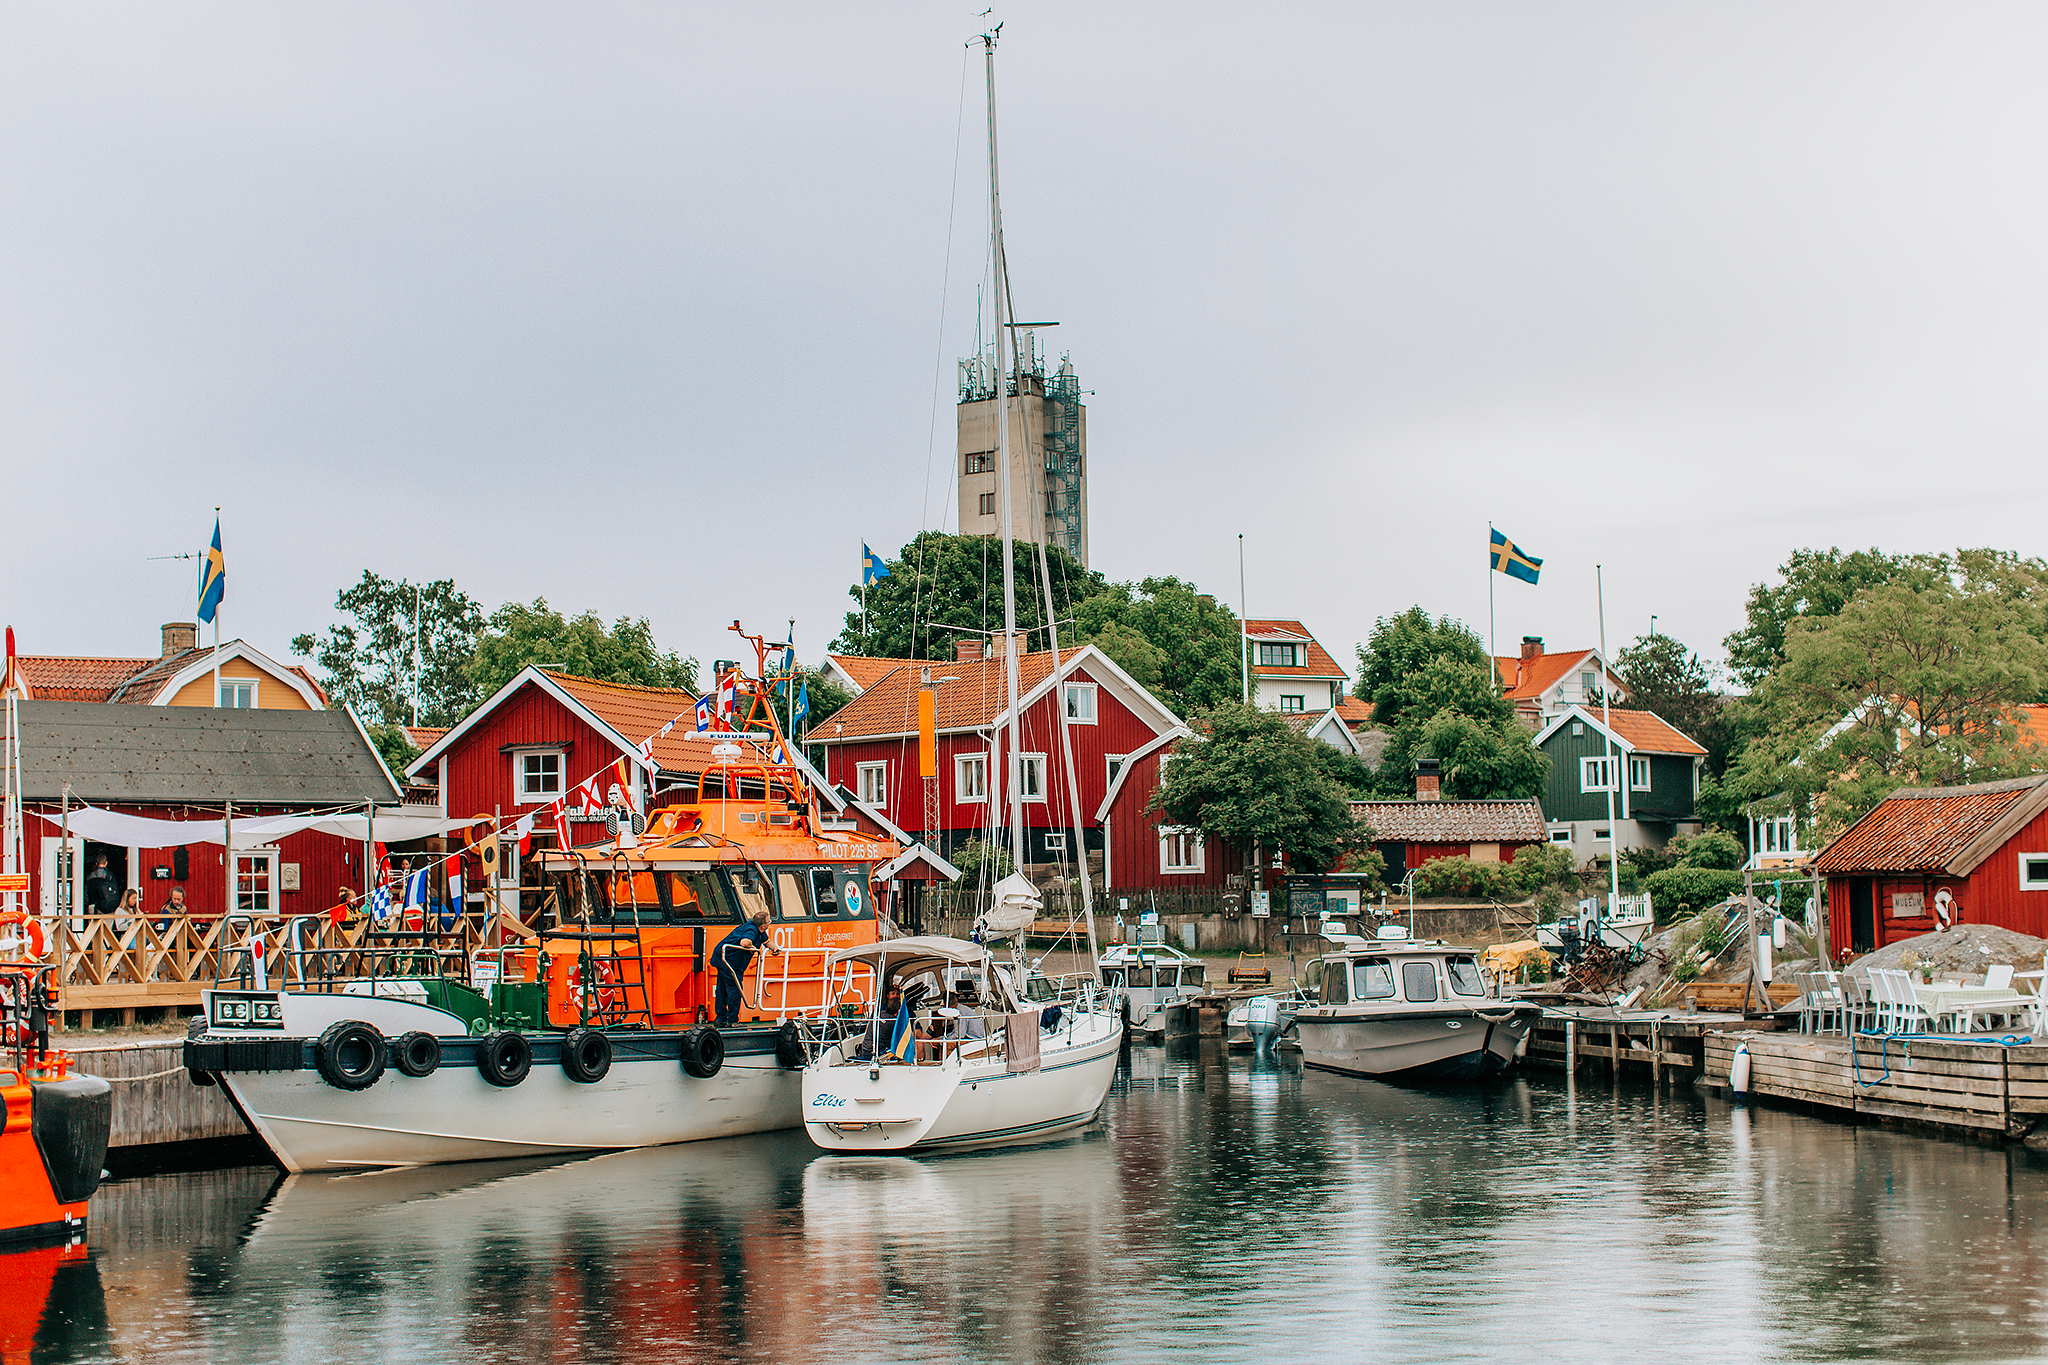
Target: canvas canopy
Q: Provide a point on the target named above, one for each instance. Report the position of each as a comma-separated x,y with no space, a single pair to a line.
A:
140,831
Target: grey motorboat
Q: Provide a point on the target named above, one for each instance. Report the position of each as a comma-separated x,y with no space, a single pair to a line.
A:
1399,1010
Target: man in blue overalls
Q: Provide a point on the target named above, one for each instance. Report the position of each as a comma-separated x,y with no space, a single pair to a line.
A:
731,956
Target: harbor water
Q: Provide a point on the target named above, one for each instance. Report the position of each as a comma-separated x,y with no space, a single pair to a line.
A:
1222,1209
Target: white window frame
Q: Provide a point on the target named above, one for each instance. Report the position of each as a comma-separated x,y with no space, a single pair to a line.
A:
977,764
1074,692
1029,763
522,795
1591,774
1293,656
1055,841
871,781
237,684
1560,836
1300,706
1774,834
1587,685
1634,785
1180,841
267,857
2032,883
1112,764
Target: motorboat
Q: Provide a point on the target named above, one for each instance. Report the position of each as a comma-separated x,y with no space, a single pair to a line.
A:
1150,977
54,1120
1627,923
1402,1010
992,1068
1258,1022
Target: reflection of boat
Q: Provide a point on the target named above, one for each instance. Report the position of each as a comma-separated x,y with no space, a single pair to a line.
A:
1401,1010
593,1034
53,1296
1001,1071
1151,977
55,1123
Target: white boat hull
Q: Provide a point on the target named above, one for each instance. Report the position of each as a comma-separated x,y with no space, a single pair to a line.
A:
1613,933
1414,1045
969,1102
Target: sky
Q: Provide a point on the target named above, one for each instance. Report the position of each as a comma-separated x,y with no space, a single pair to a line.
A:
653,309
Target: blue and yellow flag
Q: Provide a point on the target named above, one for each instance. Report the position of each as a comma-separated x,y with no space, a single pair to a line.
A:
903,1039
871,565
213,577
1512,562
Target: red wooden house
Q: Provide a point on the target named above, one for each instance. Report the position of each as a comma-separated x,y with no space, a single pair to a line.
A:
1145,851
870,745
1985,846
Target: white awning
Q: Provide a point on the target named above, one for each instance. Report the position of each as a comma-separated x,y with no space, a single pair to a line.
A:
139,831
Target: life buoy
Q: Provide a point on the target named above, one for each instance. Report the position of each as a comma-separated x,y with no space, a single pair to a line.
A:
586,1055
595,987
789,1047
349,1055
417,1054
21,937
703,1051
1944,908
504,1057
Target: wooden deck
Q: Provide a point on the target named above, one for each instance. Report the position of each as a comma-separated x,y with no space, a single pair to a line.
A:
1968,1086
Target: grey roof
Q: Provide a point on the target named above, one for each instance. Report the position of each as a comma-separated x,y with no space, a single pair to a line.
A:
112,753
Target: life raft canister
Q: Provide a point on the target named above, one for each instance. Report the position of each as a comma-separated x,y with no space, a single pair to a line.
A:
586,1055
350,1054
703,1051
417,1053
504,1057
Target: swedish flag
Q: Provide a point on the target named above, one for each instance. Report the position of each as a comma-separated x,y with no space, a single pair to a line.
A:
871,566
213,577
1512,562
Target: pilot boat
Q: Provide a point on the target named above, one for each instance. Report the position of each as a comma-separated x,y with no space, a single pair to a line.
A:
1004,1070
595,1031
1400,1010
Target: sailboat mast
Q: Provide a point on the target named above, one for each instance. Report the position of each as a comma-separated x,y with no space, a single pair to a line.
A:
1010,768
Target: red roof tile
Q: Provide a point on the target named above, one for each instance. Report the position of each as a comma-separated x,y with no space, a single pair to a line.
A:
1320,664
421,737
866,671
1454,822
59,677
1355,713
976,697
1527,679
1936,829
142,688
1646,732
637,712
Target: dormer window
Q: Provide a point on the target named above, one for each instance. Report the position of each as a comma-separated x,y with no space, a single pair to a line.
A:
1280,656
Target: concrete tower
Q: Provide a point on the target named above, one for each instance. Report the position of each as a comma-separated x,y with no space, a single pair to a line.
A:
1048,450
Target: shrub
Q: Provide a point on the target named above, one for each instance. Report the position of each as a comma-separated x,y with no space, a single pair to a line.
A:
1692,888
1460,877
1549,901
1540,866
1711,848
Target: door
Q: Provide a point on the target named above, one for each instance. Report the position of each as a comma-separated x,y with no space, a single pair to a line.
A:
63,894
1862,915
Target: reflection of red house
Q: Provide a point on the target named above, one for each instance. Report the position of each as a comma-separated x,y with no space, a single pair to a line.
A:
1985,845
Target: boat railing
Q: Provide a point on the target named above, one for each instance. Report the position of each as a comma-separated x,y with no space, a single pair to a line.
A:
779,984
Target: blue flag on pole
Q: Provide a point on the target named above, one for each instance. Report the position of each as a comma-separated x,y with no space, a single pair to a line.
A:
871,566
213,577
902,1040
1505,558
803,704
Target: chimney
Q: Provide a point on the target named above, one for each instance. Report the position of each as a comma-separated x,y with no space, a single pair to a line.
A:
1532,645
179,636
1426,780
967,651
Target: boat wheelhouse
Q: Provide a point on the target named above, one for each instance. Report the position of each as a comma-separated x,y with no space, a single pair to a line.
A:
1150,977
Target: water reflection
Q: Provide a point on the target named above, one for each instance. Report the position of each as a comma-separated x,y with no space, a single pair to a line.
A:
1224,1208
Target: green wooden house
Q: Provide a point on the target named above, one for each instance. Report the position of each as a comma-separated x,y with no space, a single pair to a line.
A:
1651,770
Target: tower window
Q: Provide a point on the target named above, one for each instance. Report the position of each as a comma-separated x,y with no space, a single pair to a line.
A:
981,462
988,504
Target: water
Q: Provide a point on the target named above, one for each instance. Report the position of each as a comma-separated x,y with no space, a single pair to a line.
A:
1222,1210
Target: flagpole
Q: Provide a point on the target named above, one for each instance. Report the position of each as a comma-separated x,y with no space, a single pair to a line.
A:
1244,632
216,622
1492,650
1614,767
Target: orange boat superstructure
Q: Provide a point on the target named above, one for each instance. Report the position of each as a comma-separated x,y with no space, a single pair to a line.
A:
57,1122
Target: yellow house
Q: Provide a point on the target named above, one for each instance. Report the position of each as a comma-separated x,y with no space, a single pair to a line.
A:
183,675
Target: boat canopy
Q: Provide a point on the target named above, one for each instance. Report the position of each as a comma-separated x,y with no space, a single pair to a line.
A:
923,953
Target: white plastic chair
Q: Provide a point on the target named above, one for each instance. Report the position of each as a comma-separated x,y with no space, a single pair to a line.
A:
1999,976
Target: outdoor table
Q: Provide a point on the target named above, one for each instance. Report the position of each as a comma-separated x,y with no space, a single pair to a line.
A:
1941,1000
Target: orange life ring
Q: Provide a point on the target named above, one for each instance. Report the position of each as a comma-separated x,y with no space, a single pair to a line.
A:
31,931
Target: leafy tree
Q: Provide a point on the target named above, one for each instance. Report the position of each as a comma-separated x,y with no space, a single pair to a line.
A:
1345,769
1812,583
368,659
518,634
1479,760
1188,642
1908,685
1434,689
396,750
1666,678
1253,781
943,580
1711,848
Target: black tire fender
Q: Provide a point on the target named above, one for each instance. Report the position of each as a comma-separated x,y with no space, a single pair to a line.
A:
417,1053
703,1051
350,1054
586,1055
789,1047
504,1057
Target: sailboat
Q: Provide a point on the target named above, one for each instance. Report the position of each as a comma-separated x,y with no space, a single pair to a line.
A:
963,1051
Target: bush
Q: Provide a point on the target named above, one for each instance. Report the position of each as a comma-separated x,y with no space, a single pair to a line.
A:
1711,848
1691,888
1540,866
1461,877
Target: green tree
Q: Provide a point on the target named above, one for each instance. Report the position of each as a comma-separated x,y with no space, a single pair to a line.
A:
1908,685
1435,691
1480,760
368,659
1251,780
1183,638
1812,583
943,580
396,750
519,634
1666,678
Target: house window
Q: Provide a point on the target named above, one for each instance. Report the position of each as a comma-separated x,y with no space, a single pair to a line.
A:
970,777
1081,703
1603,834
1115,765
1639,774
539,775
1278,656
1030,777
1180,850
1774,835
987,505
1560,836
239,693
255,883
1586,683
981,462
2034,871
872,780
1288,703
1056,843
1596,775
1578,727
1051,508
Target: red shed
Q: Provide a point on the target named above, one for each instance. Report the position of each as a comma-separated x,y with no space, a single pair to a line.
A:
1146,853
1985,845
1410,833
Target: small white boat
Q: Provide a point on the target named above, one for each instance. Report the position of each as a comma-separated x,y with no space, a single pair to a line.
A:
1627,924
1150,977
1001,1072
1413,1012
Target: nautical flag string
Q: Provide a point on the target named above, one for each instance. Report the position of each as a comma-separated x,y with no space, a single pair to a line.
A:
1505,558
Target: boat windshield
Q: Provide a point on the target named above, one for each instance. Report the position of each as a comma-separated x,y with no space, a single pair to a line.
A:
1372,978
1418,980
1465,977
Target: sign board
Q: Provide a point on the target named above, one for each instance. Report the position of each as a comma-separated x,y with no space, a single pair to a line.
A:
13,881
1262,904
1909,904
1307,902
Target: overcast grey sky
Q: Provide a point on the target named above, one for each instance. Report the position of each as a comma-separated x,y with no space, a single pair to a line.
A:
638,307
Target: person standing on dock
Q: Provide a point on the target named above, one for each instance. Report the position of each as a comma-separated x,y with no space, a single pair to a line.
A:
734,952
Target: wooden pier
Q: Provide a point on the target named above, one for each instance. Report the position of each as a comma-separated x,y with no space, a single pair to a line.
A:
155,1105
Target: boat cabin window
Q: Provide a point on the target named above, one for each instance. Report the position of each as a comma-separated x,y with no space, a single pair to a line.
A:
1465,977
660,897
1039,988
1192,974
1418,980
1312,978
752,894
1372,979
793,895
1335,982
826,889
1112,976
